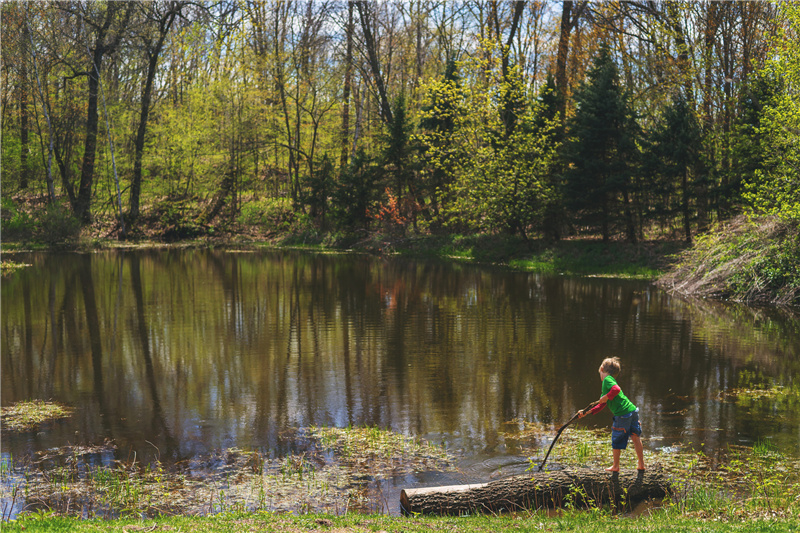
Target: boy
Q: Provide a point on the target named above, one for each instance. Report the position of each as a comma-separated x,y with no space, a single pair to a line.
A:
626,415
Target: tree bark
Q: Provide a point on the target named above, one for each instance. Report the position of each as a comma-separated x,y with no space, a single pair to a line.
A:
581,487
84,200
348,80
568,21
153,52
23,115
372,54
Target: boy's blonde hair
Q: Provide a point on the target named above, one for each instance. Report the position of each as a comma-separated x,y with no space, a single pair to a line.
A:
610,365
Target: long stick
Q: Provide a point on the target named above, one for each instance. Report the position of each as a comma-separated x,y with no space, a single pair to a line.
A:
562,428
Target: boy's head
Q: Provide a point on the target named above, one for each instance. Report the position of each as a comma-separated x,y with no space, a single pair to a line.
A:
610,366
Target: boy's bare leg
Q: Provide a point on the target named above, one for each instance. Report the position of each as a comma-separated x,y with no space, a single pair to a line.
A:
637,445
615,467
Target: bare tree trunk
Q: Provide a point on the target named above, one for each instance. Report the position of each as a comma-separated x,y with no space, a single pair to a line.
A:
153,52
710,32
372,54
83,202
50,187
23,115
561,57
348,80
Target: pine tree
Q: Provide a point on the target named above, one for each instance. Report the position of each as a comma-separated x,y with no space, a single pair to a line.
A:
547,116
674,154
602,152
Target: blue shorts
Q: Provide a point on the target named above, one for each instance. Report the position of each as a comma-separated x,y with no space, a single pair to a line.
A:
622,427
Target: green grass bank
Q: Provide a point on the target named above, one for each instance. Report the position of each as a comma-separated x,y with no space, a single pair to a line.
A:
577,257
654,521
747,260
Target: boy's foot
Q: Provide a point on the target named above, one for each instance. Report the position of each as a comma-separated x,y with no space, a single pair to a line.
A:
640,468
612,469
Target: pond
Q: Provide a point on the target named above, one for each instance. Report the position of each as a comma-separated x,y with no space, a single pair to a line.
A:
177,354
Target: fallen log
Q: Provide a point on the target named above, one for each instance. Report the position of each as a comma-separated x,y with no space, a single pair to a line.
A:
580,487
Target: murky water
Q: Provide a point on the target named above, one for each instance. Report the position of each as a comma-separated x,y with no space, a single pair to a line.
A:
177,353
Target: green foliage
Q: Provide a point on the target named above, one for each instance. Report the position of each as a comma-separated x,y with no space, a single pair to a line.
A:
275,214
775,188
355,195
17,225
672,157
749,148
437,136
57,225
176,218
494,176
602,152
743,260
319,186
52,224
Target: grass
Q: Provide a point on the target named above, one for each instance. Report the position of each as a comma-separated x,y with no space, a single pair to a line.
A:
743,260
332,475
579,257
743,489
28,415
381,449
657,521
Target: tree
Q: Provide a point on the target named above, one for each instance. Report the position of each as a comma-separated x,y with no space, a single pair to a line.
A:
675,154
496,180
366,17
319,186
548,115
396,155
570,15
354,195
158,19
107,25
775,188
601,152
437,127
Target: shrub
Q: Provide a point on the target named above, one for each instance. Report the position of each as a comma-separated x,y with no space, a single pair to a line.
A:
17,225
54,224
57,225
271,213
746,260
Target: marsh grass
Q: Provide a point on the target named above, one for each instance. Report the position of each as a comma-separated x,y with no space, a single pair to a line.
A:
340,473
333,475
381,449
28,415
736,482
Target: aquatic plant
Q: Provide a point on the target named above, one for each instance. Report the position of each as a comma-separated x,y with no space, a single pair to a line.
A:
27,415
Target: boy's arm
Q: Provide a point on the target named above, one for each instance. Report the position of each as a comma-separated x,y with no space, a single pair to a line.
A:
603,400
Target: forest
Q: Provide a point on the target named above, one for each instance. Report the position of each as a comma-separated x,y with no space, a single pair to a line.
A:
539,119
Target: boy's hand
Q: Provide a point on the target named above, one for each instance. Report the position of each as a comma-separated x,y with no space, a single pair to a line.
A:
581,413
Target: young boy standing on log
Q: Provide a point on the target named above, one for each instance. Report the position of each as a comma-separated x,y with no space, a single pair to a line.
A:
626,415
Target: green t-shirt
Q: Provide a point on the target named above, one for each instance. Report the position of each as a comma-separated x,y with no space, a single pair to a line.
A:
620,405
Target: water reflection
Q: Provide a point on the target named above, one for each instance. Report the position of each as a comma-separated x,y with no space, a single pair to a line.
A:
174,353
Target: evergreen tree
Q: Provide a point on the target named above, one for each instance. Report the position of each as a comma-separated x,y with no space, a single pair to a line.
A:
396,154
318,188
748,147
673,156
354,195
602,152
547,116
